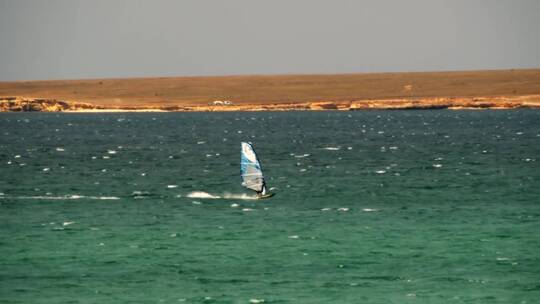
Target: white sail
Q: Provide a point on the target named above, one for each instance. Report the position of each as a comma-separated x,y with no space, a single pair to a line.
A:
250,169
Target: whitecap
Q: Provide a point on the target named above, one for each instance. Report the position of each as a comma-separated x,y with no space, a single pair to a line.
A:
326,209
332,148
196,202
46,169
105,197
172,186
370,210
437,165
380,171
343,209
293,236
67,223
17,156
301,156
247,209
60,149
256,301
111,151
201,142
235,205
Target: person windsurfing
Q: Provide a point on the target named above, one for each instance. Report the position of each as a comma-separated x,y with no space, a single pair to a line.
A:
251,171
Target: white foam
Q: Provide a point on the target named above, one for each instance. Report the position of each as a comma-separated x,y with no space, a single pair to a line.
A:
201,194
67,223
380,171
332,148
343,209
60,149
172,186
370,210
226,195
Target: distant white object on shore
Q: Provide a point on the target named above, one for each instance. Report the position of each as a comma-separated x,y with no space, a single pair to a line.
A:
222,103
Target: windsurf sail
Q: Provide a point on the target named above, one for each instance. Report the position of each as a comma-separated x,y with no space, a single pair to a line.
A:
250,170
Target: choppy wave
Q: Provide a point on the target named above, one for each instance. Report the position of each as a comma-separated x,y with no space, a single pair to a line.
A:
226,195
62,197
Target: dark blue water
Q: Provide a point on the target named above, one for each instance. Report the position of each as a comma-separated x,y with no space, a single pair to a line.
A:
370,207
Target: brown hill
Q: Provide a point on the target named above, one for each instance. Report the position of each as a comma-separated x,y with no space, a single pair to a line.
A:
281,89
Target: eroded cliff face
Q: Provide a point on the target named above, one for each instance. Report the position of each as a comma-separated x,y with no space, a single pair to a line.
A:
23,104
18,104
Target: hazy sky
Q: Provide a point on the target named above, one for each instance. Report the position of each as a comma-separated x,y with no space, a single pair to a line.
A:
71,39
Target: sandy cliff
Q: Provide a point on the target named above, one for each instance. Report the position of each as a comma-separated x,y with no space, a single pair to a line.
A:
19,104
22,104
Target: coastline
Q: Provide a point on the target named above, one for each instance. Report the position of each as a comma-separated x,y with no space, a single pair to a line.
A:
27,104
497,89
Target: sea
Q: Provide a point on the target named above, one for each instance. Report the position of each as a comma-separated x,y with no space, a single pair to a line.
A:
425,206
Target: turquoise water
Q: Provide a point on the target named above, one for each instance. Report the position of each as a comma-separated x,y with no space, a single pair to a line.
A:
370,207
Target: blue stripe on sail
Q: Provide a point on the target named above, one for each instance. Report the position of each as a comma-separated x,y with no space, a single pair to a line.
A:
250,168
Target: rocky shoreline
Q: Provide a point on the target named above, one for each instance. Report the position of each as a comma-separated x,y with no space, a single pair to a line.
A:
27,104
